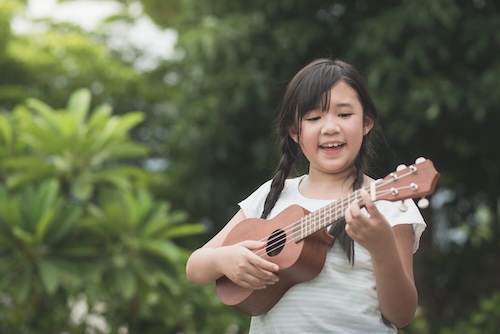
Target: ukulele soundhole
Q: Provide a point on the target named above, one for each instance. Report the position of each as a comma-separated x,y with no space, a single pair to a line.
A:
276,242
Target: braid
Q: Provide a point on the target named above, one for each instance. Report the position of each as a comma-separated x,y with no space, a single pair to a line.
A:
289,155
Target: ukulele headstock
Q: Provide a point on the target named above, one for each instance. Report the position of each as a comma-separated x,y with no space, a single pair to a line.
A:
416,180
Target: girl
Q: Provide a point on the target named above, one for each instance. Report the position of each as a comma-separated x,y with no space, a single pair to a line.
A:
366,284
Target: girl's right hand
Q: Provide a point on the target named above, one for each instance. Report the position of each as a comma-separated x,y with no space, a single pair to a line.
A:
242,266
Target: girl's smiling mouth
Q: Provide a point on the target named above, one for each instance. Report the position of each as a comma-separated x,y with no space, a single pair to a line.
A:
331,145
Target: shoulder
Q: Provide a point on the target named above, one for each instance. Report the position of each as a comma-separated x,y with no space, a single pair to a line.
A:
398,215
253,205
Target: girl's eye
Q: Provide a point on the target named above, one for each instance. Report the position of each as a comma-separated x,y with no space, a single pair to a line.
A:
315,118
346,114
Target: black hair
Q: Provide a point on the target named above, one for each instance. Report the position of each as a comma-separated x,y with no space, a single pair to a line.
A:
308,89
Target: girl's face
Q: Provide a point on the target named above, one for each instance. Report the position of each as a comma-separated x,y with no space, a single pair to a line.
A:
331,139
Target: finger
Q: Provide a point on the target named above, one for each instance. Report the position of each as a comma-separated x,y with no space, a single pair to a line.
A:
253,244
260,279
355,210
370,206
350,231
252,283
267,265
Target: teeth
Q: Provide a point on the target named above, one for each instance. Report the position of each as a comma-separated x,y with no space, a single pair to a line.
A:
332,145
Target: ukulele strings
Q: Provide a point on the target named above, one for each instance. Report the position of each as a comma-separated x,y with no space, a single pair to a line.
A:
276,241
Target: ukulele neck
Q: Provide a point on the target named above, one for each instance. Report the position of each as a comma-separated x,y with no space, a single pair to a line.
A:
330,214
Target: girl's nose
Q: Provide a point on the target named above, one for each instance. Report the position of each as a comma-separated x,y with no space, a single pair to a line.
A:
330,126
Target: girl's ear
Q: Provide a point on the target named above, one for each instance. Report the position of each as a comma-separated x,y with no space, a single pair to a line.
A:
367,125
292,132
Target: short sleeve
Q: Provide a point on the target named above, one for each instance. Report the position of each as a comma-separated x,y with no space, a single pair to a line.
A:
253,205
412,215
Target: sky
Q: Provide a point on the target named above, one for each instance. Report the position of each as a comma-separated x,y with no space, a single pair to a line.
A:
88,14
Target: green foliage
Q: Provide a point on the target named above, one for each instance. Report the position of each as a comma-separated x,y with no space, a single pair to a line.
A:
73,145
79,235
56,59
432,69
485,320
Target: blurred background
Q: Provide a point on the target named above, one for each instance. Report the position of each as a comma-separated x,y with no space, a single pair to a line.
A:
130,129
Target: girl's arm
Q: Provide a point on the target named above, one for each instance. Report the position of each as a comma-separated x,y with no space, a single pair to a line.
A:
391,251
238,262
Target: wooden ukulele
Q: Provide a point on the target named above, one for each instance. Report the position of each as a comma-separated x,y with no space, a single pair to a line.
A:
297,240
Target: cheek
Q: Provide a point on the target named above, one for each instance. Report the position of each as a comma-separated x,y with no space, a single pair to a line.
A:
307,135
357,133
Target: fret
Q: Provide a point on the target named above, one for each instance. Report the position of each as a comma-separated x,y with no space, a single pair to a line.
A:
327,215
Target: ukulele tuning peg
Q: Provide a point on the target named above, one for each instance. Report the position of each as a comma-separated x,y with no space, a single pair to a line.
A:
419,160
423,203
400,167
403,207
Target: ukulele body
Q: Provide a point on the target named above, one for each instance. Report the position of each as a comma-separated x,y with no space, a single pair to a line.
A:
298,261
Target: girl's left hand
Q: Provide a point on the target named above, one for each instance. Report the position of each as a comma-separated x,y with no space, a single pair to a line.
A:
371,232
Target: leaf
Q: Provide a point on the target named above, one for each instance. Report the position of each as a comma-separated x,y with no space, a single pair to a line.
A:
21,162
163,248
99,117
45,197
184,230
22,178
49,275
113,178
21,286
126,283
128,121
64,223
9,211
6,133
43,223
79,104
83,187
23,235
46,112
119,151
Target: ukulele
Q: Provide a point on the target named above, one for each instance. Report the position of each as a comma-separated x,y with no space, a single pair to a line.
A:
297,240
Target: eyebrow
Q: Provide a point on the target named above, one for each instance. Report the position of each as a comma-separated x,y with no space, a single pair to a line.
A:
344,104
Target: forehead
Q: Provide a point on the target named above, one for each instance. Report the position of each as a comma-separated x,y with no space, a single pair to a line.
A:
342,93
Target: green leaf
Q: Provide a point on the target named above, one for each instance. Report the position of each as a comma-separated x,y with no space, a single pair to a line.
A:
43,223
49,274
23,235
45,197
6,133
21,286
126,283
184,230
163,248
22,178
47,113
128,121
99,117
64,223
21,162
79,104
83,187
112,178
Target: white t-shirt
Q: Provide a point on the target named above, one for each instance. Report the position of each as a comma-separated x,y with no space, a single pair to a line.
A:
342,298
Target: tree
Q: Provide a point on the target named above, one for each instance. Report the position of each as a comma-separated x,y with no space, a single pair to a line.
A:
52,60
79,229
